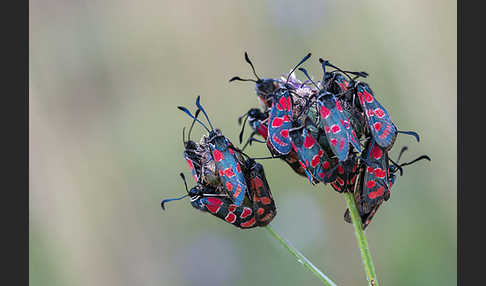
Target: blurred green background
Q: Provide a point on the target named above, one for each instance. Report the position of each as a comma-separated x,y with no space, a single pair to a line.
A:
105,139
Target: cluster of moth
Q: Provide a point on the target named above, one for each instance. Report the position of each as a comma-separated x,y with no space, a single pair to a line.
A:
332,131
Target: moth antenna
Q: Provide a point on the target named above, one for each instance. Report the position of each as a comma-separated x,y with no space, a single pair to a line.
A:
323,64
241,117
414,134
404,148
242,128
185,183
241,79
193,117
301,62
417,159
202,109
192,125
357,74
183,135
307,75
247,59
176,199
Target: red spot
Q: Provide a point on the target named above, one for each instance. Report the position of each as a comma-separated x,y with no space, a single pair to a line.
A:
320,153
260,211
246,212
265,200
217,155
257,183
228,172
369,112
221,173
326,165
301,164
231,150
334,142
232,208
368,97
278,141
338,106
340,169
371,184
380,173
377,126
335,128
284,133
238,168
370,169
214,205
325,112
277,122
376,152
377,193
263,131
341,145
360,96
309,141
286,118
315,161
386,132
354,179
229,186
343,85
336,186
238,191
189,162
294,147
340,181
327,128
285,103
249,223
230,217
379,112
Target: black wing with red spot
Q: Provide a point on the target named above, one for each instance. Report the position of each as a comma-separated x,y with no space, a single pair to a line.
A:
375,180
382,128
312,157
333,123
229,169
280,122
260,194
346,175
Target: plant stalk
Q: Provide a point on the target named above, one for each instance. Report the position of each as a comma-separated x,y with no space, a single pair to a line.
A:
300,257
362,242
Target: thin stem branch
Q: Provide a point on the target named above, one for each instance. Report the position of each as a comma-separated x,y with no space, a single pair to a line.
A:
362,242
300,257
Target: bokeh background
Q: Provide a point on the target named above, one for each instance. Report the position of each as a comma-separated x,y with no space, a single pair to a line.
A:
105,139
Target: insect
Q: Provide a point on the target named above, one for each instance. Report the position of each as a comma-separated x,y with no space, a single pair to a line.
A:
264,87
225,162
257,210
280,117
376,180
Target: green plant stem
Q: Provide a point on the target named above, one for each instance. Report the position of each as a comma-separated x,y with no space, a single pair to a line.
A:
300,257
362,242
